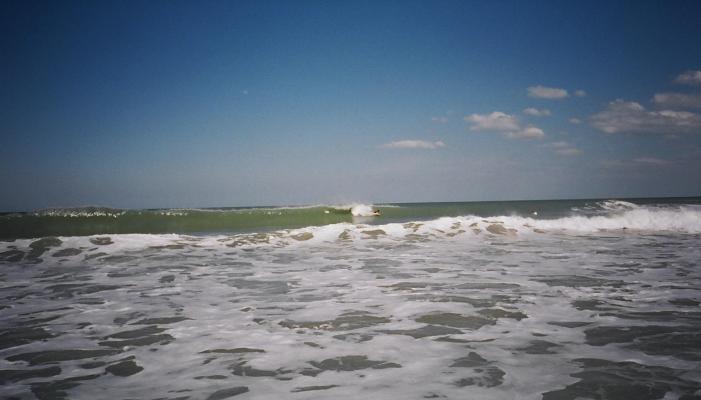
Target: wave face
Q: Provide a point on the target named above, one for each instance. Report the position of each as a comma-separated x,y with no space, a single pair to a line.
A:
679,215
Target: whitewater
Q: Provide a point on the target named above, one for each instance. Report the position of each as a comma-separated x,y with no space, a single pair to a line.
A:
596,299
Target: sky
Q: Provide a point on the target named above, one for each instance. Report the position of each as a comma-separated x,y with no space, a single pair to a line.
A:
137,104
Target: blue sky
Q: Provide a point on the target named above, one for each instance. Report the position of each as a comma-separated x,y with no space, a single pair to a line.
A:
196,104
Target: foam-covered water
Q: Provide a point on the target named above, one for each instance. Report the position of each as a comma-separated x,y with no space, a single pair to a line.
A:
600,304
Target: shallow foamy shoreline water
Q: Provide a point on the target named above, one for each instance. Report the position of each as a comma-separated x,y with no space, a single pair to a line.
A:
493,308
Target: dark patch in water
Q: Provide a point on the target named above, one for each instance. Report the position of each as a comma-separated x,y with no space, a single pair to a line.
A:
119,259
56,390
67,252
489,376
241,369
143,341
425,331
569,324
472,301
685,302
39,247
409,285
19,336
488,285
345,322
591,305
455,320
124,368
486,374
136,333
682,342
603,379
352,363
226,393
577,281
14,375
213,377
94,255
12,255
67,290
496,313
658,316
471,361
121,320
264,288
238,350
311,388
539,347
354,337
92,365
52,356
91,301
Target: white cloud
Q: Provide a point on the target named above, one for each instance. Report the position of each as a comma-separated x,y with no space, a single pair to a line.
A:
628,116
650,161
575,121
413,144
580,93
503,123
536,112
689,78
530,132
563,148
542,92
568,151
439,120
677,100
496,121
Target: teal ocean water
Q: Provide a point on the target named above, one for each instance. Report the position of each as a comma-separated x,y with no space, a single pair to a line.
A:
98,220
572,299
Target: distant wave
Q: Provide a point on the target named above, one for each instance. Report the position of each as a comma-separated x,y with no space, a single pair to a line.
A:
684,219
623,218
76,212
428,219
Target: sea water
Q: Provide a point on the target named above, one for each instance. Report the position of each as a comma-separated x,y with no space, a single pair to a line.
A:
526,300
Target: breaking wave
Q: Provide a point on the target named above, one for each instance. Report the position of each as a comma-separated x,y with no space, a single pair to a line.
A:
438,219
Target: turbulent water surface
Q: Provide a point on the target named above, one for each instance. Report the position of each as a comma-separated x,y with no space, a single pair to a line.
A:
586,300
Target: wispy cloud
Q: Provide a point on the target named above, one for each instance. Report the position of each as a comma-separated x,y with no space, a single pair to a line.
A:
651,161
543,92
536,112
628,116
563,148
439,120
677,100
575,121
580,93
503,123
496,121
689,78
636,163
413,144
530,132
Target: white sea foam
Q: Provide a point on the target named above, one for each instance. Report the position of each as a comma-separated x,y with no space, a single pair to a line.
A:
362,210
279,293
682,219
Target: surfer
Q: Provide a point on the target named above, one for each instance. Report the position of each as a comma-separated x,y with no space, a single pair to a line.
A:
376,213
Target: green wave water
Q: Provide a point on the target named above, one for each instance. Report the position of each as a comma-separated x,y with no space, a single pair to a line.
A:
100,220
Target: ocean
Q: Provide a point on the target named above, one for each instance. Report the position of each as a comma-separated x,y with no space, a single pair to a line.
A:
564,299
